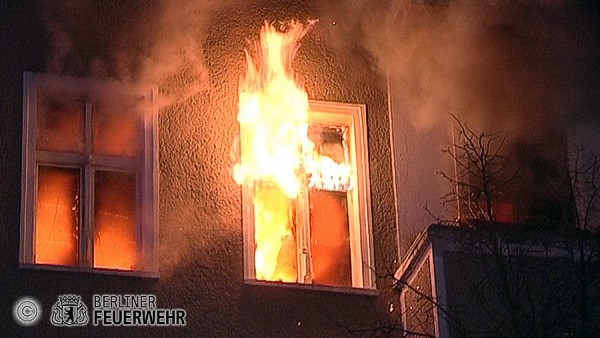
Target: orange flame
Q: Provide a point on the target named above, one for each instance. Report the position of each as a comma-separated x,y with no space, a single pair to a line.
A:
278,159
273,113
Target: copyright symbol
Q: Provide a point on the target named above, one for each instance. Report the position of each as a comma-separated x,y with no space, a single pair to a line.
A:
27,311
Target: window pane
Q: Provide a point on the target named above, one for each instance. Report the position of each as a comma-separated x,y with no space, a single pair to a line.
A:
329,228
57,216
330,238
117,130
114,220
59,123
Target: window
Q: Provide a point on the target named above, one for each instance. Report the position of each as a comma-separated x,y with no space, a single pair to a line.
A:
323,236
89,179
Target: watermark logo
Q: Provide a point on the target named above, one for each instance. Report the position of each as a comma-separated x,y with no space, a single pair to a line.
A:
134,310
69,310
27,311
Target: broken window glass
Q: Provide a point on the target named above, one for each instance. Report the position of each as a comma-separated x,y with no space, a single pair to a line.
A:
329,227
330,238
115,220
57,216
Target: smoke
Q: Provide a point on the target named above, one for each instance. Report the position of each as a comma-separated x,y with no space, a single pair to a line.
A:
146,42
521,66
526,67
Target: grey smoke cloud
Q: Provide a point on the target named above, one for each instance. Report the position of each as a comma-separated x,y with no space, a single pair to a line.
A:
143,42
499,63
135,41
523,66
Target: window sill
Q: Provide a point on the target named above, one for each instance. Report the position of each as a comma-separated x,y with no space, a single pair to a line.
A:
79,269
313,287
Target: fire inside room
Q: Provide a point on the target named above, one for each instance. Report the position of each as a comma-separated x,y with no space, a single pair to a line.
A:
302,167
303,173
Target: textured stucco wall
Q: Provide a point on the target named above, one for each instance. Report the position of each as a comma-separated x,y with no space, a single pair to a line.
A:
200,205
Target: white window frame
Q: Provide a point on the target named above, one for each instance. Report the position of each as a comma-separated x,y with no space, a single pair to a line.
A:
359,202
145,168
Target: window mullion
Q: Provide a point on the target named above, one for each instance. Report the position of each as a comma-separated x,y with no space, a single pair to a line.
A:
140,248
248,226
87,204
115,163
29,175
59,158
303,238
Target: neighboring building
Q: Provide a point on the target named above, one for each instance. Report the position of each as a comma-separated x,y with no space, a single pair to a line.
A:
459,282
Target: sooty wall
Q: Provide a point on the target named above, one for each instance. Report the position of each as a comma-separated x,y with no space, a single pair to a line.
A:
201,253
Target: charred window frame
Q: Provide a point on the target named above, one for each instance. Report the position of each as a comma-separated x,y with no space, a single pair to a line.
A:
89,179
352,119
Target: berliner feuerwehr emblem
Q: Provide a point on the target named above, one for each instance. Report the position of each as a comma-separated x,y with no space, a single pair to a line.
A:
69,310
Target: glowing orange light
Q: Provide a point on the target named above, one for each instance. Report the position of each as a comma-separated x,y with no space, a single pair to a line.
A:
115,220
278,159
56,225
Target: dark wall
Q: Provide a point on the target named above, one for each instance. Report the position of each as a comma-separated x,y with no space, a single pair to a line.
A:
201,255
529,293
419,310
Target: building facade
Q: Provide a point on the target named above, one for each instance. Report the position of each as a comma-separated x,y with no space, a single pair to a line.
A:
189,251
500,281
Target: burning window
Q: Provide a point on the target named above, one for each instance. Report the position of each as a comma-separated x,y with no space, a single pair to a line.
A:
89,165
304,176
